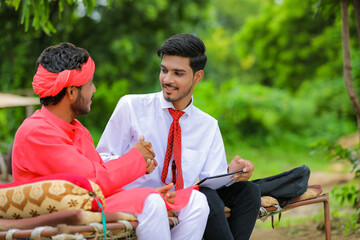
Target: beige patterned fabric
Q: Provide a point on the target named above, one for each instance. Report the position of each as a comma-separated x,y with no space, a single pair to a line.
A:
44,197
267,201
312,192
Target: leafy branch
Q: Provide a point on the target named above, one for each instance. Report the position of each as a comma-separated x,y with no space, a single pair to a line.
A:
39,13
334,151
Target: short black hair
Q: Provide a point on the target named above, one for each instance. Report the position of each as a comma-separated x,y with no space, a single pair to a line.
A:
58,58
185,45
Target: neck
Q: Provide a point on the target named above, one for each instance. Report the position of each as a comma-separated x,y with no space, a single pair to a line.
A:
62,112
179,105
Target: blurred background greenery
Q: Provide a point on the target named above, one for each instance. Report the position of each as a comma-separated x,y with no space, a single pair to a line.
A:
274,77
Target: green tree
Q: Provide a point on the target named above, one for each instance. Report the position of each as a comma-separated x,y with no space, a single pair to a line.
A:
335,151
284,45
348,71
41,13
122,39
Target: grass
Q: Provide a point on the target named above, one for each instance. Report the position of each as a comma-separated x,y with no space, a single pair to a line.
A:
287,220
274,159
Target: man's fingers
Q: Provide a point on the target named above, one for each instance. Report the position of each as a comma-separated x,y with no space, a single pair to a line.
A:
165,188
171,194
150,165
169,186
237,159
170,197
141,139
241,176
155,163
149,170
170,200
149,147
235,176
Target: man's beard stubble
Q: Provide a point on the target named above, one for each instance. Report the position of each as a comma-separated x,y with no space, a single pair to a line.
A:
78,107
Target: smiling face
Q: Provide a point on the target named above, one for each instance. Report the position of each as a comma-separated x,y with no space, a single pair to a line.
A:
178,80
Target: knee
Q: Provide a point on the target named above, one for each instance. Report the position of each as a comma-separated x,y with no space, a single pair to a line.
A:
155,203
214,201
253,193
202,203
212,196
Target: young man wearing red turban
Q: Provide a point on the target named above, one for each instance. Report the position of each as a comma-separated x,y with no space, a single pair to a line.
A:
52,141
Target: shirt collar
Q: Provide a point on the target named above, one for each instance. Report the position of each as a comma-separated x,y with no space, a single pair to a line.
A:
166,104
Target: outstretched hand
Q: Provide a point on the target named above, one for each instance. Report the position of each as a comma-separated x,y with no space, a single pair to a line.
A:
165,192
147,151
239,163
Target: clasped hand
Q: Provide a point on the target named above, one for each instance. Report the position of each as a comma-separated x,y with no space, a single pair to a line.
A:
147,151
238,164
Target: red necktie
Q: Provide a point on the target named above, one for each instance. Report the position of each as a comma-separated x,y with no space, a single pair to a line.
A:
174,145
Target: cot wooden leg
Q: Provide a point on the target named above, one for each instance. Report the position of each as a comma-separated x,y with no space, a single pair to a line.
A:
327,218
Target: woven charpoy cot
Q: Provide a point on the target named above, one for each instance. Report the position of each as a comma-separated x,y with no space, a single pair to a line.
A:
74,224
58,206
83,223
61,206
71,224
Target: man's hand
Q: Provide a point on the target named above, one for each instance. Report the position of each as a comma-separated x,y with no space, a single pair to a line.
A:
164,191
147,151
241,164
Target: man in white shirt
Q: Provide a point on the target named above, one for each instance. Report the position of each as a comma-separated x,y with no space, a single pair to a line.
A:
202,149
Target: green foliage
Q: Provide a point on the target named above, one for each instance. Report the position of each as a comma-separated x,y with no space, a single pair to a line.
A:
342,198
281,44
273,78
228,18
264,115
39,11
334,151
347,222
10,119
4,121
232,14
104,103
122,39
346,194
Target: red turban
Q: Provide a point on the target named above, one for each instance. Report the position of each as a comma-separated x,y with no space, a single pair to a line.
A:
46,84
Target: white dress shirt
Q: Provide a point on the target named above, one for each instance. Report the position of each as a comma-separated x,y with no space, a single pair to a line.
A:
202,150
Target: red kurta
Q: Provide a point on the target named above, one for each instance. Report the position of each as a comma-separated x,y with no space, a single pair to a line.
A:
45,144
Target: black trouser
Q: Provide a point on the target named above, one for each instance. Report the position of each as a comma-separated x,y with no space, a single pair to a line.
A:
243,198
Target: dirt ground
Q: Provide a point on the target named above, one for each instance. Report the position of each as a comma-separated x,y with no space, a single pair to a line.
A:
305,231
309,230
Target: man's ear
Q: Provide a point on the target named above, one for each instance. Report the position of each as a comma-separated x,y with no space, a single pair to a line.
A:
71,93
198,76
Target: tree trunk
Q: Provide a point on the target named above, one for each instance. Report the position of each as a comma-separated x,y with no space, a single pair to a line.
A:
345,38
357,16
